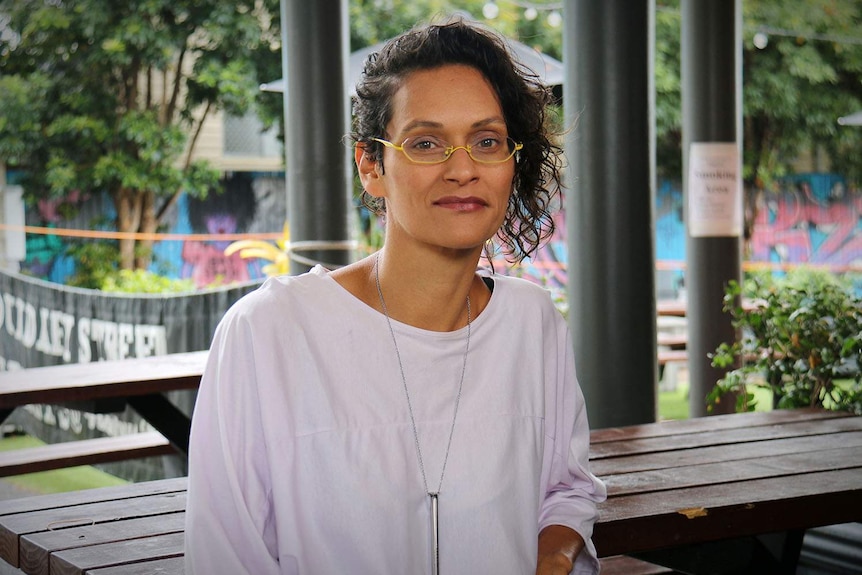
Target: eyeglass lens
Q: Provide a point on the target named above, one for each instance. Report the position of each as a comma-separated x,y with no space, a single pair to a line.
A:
488,148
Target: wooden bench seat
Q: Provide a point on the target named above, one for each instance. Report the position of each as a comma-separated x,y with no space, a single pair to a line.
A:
616,565
84,452
666,356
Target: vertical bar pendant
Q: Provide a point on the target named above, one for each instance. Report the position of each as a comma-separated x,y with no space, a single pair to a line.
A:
435,535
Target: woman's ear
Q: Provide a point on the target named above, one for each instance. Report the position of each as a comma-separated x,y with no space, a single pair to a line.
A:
369,171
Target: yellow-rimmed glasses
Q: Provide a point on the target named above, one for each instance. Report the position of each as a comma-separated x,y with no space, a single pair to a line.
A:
484,148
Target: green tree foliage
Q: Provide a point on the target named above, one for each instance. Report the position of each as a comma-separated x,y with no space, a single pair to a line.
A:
99,95
375,21
806,76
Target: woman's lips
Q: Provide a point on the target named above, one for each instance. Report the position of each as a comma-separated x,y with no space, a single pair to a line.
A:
461,204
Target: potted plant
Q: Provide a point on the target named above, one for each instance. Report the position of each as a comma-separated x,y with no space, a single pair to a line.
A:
799,337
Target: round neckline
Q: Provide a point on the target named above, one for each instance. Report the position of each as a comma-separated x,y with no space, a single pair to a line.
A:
322,272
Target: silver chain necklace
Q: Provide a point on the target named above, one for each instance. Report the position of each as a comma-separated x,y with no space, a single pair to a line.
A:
433,495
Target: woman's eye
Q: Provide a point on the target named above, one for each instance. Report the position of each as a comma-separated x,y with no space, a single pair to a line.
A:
424,144
487,143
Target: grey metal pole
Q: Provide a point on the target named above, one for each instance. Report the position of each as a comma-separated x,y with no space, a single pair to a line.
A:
319,167
609,109
711,85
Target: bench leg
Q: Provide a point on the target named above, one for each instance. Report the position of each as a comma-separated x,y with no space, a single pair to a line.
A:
166,418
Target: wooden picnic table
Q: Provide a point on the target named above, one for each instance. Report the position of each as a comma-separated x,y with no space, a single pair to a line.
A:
672,341
138,382
727,477
679,307
671,307
671,487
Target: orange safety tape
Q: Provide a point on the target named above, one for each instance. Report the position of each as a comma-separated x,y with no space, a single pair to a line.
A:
114,235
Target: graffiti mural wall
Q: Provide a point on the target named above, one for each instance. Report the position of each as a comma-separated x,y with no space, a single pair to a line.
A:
812,218
248,203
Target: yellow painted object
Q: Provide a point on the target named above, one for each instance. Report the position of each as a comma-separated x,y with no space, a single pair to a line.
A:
277,254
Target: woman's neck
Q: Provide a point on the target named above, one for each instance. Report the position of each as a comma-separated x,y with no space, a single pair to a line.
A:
425,292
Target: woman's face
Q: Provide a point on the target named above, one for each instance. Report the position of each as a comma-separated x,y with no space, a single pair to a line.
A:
460,203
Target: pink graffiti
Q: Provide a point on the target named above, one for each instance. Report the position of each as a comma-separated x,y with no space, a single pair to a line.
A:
50,209
548,266
785,225
207,265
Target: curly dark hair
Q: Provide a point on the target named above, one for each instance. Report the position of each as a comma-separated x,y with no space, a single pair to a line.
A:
524,100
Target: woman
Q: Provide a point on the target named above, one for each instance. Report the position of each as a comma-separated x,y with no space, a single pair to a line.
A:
407,414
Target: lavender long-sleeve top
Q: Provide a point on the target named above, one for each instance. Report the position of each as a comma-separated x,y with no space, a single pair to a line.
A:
303,458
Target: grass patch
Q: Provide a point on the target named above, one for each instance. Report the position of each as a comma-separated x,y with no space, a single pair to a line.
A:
674,404
59,480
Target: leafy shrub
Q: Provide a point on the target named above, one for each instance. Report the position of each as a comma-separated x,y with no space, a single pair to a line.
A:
94,263
800,338
142,281
96,267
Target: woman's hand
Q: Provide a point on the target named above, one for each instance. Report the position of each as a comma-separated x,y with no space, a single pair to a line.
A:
558,548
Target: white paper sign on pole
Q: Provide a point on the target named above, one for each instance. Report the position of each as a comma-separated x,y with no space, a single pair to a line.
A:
714,190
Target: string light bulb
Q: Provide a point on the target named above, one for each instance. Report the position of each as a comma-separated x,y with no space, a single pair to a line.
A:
490,10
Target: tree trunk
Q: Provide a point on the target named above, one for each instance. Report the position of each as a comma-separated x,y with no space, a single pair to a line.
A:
751,195
128,205
144,252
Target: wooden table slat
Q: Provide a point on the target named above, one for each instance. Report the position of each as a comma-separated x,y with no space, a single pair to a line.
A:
713,474
651,521
88,496
712,423
740,436
721,453
743,493
129,552
15,526
67,517
172,566
120,378
35,548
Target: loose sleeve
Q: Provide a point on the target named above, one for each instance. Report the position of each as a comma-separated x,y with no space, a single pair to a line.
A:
229,525
572,492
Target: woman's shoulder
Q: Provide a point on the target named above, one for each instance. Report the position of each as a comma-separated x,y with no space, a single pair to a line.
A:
278,294
517,295
516,286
